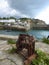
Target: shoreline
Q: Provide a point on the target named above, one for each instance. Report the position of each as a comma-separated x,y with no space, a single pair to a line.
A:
22,28
19,28
6,37
38,34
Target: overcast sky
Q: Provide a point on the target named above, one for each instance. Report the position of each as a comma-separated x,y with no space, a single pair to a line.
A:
25,8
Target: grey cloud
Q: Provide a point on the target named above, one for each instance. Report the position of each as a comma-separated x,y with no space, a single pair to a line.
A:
28,7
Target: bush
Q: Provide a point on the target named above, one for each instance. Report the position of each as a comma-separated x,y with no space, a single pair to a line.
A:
42,58
13,50
10,41
45,40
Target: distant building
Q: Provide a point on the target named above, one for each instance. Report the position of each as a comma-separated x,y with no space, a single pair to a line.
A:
7,20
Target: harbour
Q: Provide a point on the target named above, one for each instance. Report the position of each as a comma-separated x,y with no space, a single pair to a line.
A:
39,34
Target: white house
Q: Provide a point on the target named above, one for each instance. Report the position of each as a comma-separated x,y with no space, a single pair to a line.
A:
7,20
11,20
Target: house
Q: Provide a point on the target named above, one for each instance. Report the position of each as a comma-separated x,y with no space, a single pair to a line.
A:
7,20
27,24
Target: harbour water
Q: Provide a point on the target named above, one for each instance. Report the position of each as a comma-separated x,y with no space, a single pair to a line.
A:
36,33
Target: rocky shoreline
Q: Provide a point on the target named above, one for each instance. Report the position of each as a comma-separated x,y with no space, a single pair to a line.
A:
15,59
6,37
6,58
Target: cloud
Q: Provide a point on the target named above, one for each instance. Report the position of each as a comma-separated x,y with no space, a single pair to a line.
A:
28,7
6,10
22,8
31,8
44,15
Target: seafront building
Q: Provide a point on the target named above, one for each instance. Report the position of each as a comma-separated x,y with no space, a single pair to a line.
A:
7,20
16,23
28,24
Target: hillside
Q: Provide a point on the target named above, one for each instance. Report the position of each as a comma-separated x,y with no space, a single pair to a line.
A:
35,21
38,21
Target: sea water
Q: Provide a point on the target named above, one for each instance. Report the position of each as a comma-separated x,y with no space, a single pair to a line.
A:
36,33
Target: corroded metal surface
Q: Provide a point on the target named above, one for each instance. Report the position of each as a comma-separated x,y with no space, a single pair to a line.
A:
26,45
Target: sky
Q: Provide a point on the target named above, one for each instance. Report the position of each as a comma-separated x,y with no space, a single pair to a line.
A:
38,9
